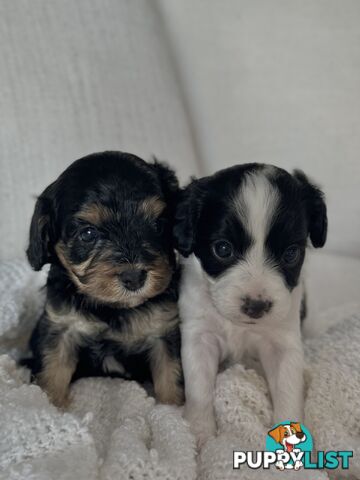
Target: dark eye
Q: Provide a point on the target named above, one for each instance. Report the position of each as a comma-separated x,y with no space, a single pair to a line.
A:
291,255
222,249
88,234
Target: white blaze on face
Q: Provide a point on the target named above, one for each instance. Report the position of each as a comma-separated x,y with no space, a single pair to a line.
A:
256,205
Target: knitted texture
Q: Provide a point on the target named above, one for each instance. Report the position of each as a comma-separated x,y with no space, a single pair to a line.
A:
114,429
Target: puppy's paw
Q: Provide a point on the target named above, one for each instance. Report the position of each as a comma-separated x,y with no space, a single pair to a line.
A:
55,382
61,403
60,398
202,437
203,427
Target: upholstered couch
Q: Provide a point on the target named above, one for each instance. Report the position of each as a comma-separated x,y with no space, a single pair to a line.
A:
203,84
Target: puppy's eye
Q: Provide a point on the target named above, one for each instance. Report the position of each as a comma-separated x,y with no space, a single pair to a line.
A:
223,249
88,234
291,255
286,433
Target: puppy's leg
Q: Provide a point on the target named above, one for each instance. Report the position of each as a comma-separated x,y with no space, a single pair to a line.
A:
200,358
58,365
166,374
283,366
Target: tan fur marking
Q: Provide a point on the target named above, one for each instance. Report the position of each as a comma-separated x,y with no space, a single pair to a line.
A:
145,329
166,372
159,276
60,251
75,323
151,207
95,214
59,364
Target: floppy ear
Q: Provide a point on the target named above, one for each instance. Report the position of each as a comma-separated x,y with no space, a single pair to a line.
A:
41,231
187,217
169,182
316,209
276,434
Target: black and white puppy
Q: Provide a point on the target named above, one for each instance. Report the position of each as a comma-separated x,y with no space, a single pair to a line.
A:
243,235
105,226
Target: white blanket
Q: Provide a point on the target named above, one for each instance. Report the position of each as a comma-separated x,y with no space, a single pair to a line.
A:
114,430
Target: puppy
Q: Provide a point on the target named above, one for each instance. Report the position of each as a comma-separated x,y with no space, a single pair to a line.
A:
243,234
105,226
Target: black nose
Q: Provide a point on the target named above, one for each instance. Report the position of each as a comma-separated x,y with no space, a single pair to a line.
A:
133,279
299,435
255,308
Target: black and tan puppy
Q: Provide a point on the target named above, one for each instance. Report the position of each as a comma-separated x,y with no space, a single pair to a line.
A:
105,227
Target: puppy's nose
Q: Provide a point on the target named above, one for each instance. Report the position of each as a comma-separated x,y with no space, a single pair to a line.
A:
299,435
133,279
255,308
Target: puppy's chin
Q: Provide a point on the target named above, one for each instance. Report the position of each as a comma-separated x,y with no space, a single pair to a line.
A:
122,301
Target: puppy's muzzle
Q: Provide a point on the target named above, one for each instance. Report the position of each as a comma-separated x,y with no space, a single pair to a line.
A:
255,308
133,278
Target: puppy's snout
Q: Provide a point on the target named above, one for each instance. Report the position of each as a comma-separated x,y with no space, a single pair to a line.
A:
300,435
133,279
255,308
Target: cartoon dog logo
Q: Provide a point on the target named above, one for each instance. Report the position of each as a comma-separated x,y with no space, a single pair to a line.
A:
288,436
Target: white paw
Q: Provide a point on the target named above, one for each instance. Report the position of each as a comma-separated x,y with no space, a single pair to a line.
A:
202,427
202,437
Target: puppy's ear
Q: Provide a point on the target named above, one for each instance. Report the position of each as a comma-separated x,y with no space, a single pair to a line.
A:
276,434
187,217
316,209
41,230
169,182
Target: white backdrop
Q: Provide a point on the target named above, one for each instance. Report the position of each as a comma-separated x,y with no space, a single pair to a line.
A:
202,83
277,81
78,77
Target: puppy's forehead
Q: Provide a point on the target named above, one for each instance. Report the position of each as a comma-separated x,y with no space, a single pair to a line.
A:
94,213
98,213
106,180
255,203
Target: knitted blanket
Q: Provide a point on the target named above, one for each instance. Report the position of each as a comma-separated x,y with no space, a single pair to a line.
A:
114,430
